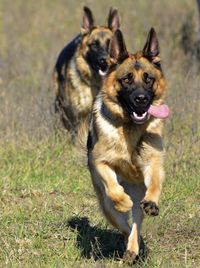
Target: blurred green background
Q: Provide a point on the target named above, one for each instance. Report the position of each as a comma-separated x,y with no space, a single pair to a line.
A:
43,183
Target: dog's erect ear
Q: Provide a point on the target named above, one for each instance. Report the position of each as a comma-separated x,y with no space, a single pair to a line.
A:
88,20
151,48
113,19
117,48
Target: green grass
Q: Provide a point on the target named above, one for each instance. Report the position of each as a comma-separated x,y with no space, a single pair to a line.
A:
49,215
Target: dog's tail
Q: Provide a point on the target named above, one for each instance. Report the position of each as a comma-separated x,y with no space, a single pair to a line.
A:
81,140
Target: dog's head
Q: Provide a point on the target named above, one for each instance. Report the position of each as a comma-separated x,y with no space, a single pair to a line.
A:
136,82
96,39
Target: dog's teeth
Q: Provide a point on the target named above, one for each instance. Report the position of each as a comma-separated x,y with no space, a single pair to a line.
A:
139,117
102,73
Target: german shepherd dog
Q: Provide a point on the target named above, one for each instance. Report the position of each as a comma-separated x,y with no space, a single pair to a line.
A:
80,67
124,144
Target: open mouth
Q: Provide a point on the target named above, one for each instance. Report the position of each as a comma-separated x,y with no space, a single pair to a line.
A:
139,118
102,73
102,67
161,111
103,70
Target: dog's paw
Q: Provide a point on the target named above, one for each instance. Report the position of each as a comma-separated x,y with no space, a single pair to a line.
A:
123,203
129,256
149,208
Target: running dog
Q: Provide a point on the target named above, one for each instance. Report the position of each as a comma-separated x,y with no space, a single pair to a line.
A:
124,144
80,67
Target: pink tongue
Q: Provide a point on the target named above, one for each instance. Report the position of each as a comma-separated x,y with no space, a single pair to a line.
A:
161,111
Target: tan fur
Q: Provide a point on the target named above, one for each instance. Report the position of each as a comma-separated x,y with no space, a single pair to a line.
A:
75,81
126,159
78,91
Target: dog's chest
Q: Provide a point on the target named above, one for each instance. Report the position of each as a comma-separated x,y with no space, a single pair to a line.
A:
120,151
125,160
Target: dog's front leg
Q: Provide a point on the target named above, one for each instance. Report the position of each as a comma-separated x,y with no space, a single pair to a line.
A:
153,178
122,201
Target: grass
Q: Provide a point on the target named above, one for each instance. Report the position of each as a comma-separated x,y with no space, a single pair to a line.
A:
49,213
50,216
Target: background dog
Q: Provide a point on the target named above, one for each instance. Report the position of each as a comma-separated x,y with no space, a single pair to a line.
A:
125,150
80,67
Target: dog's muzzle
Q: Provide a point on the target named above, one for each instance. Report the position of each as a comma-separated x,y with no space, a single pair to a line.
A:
102,66
137,104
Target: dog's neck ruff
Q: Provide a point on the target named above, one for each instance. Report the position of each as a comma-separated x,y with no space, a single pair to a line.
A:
103,110
107,114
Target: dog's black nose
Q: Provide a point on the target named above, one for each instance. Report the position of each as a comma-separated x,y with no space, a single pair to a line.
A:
102,62
141,100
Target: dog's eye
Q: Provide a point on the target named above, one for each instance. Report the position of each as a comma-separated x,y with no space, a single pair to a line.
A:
148,79
128,79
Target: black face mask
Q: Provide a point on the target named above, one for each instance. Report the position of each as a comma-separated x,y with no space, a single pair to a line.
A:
97,58
135,100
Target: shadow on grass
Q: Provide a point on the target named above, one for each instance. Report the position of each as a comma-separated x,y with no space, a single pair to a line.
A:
99,243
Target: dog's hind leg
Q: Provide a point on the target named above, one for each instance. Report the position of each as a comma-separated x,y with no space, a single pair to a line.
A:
137,193
118,219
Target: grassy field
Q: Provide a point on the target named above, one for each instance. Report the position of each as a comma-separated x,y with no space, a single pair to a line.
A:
49,215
